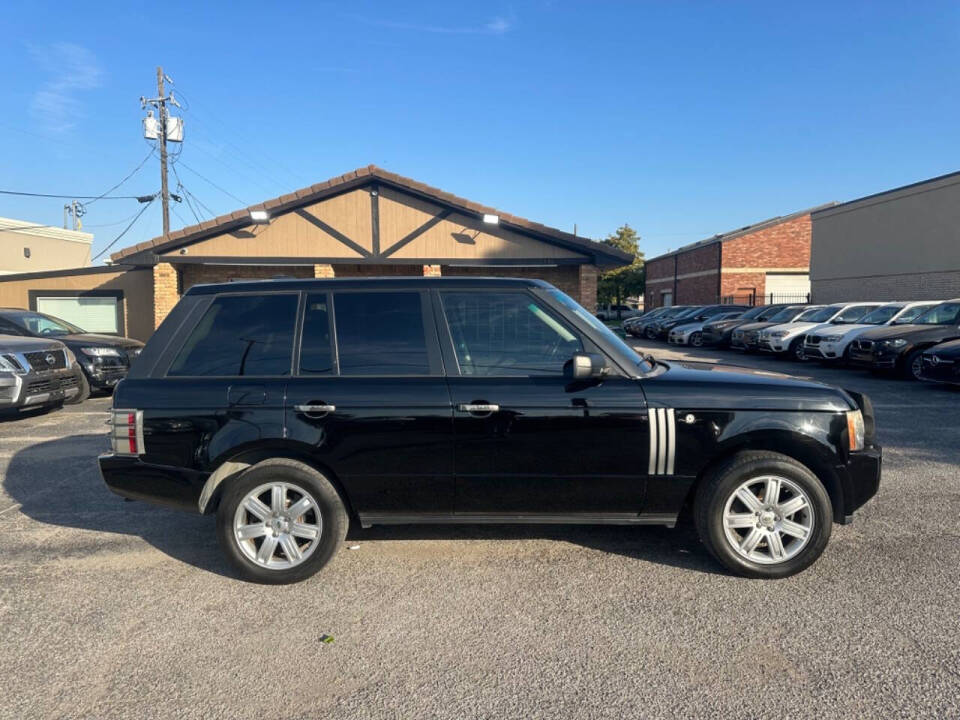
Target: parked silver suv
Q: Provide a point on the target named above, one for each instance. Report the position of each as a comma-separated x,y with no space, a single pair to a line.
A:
35,373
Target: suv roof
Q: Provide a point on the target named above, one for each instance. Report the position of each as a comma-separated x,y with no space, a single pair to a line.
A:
388,282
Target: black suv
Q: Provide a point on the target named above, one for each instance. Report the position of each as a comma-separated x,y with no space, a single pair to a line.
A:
288,407
900,348
104,359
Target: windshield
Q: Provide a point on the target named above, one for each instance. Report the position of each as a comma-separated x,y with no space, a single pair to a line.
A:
820,314
39,324
785,315
881,315
852,314
910,315
568,302
946,314
754,312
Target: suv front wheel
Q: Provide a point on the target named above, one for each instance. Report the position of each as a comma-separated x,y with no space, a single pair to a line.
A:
280,522
763,515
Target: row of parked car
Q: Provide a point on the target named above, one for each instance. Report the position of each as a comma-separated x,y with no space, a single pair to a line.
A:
919,339
46,362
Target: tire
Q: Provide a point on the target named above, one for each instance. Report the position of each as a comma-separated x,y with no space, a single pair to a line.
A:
83,394
913,365
795,351
696,340
717,499
324,514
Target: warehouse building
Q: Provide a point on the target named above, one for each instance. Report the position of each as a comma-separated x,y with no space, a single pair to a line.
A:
901,244
762,263
369,222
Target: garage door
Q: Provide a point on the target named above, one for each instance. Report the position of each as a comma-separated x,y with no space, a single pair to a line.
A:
787,287
92,313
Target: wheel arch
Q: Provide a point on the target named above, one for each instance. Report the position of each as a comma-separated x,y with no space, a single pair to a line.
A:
797,446
228,469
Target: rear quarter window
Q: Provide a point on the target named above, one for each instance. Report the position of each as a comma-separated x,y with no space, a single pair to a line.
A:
241,335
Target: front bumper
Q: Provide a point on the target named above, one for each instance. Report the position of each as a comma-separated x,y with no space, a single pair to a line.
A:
131,477
860,477
37,389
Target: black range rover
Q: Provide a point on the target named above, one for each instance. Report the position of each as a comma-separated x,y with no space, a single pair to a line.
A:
290,407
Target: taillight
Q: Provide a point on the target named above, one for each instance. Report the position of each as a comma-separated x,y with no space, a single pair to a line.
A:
126,432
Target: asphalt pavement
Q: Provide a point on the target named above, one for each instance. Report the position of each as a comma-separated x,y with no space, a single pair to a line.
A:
120,609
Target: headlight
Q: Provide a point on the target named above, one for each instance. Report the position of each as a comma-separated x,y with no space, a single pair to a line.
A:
778,333
831,338
895,343
855,429
8,364
100,352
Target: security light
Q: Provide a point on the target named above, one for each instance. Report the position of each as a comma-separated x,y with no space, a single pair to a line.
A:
491,219
260,216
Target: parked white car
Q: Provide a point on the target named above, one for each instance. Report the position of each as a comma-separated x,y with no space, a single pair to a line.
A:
617,312
832,340
788,337
692,333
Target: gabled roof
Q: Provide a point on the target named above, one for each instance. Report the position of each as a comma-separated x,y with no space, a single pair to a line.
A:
359,178
745,230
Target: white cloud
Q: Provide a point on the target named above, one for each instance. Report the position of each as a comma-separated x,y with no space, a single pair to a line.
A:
497,26
73,69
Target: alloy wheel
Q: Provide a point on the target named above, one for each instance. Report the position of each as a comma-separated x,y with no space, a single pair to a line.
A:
696,339
768,519
277,525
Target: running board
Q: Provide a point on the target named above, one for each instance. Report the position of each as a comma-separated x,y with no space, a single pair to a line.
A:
368,519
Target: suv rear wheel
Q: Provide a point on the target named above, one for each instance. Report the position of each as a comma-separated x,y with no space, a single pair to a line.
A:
763,515
280,522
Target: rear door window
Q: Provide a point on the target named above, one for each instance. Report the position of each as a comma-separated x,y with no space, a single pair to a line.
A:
381,333
241,335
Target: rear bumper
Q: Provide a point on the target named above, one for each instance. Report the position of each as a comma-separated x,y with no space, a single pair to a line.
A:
861,479
174,487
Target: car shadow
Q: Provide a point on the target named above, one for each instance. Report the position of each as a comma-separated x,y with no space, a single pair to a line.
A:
57,482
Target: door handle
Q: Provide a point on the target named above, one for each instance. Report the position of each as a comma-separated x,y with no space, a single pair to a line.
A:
318,410
478,408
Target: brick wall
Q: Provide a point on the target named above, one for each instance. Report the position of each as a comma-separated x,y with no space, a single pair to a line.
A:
200,274
911,286
165,291
784,246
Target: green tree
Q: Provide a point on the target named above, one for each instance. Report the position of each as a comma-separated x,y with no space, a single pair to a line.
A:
615,285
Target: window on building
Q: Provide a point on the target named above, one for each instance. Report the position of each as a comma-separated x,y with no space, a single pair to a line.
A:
316,353
507,334
94,313
241,335
380,333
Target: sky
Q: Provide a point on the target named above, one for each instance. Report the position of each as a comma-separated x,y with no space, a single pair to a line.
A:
683,119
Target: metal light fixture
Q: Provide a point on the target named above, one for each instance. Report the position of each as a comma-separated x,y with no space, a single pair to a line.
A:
260,217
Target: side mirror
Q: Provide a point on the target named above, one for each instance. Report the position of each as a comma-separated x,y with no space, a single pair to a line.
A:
585,366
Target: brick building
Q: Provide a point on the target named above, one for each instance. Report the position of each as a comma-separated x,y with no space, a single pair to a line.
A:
369,222
761,263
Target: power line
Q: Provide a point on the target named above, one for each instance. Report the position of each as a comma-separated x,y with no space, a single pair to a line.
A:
213,184
125,230
130,175
73,197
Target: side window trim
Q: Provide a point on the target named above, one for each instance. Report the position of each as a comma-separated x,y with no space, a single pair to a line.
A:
587,344
298,335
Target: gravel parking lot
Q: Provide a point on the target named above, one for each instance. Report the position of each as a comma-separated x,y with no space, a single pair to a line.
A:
117,609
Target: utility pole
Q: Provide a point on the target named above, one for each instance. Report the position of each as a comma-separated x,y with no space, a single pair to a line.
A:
163,130
164,195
